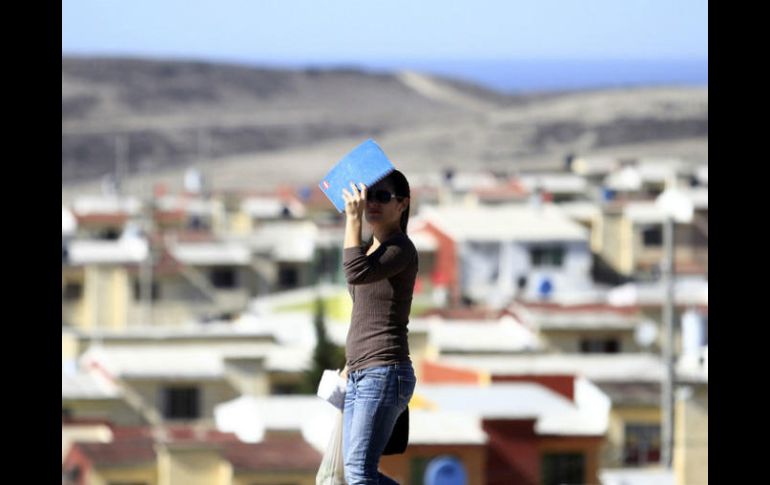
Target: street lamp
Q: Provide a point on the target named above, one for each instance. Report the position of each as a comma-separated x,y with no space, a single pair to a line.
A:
677,207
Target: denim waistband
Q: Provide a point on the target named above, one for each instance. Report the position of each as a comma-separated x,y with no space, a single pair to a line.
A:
396,366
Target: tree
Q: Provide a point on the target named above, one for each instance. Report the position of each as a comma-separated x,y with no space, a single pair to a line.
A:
325,356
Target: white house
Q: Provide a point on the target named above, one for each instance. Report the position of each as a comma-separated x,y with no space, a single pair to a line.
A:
492,254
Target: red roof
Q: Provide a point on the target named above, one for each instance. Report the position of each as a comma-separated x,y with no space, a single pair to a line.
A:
135,445
101,218
123,452
274,453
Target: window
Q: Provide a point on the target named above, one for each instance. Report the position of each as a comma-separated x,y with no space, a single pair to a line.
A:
599,346
642,444
72,291
652,236
547,256
287,277
181,403
197,223
563,469
223,278
110,234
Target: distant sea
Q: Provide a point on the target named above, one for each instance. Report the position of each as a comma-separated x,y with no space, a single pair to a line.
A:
523,76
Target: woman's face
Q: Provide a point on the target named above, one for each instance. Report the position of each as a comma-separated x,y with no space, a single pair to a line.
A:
383,214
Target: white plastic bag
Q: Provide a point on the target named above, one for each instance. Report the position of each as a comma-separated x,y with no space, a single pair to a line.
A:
332,471
332,388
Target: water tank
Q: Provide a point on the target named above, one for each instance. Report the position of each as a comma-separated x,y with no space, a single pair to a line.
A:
693,332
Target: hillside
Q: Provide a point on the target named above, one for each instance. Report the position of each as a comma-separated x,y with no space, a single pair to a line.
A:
238,122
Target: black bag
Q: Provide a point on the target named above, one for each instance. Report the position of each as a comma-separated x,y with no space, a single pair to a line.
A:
400,436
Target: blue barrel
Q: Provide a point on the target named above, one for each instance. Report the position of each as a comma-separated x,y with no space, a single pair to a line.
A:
545,288
445,470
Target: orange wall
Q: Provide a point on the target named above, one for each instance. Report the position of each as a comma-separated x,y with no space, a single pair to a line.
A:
562,384
433,373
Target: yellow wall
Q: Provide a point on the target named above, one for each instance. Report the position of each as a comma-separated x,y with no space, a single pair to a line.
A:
612,240
597,234
627,254
106,296
691,440
192,464
240,223
139,474
70,346
120,295
612,449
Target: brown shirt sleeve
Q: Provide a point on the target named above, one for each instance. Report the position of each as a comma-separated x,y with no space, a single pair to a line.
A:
387,260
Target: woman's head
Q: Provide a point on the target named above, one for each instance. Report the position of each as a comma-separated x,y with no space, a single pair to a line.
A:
394,212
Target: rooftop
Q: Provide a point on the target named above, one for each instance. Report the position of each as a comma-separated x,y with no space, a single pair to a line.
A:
598,368
504,223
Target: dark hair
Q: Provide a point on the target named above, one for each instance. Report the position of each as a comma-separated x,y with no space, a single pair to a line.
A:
401,188
397,180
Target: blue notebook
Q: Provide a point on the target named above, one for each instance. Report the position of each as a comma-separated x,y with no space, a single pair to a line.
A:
366,164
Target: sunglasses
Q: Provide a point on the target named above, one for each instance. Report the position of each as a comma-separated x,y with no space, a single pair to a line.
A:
381,196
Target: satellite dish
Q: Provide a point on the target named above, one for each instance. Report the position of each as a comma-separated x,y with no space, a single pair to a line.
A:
646,333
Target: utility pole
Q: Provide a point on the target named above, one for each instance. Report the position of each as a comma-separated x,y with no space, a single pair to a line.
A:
146,276
667,396
676,208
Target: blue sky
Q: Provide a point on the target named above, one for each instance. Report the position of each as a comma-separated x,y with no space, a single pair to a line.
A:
319,32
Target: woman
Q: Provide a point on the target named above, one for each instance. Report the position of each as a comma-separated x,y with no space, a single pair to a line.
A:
380,276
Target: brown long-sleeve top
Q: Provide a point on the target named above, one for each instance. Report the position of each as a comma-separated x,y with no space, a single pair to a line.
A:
381,286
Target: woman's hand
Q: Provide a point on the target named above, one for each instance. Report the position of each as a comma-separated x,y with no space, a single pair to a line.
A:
355,202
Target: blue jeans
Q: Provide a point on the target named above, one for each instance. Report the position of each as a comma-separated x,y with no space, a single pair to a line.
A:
374,399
